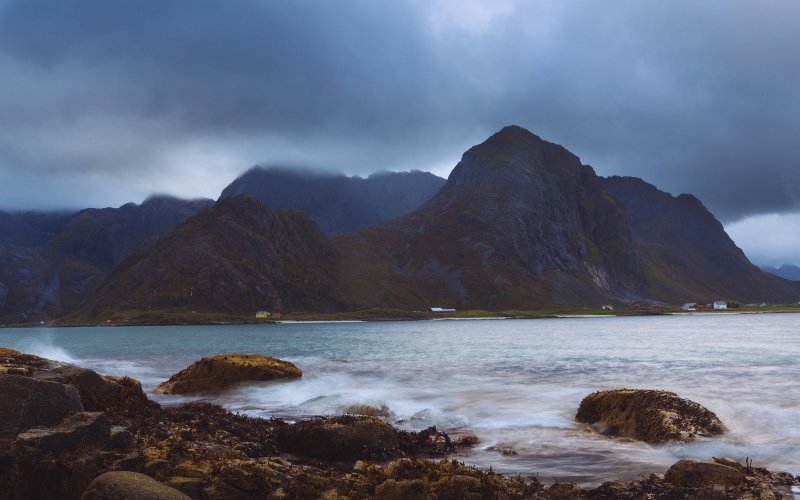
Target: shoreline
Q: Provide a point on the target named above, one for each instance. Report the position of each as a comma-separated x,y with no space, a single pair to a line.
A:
396,315
118,428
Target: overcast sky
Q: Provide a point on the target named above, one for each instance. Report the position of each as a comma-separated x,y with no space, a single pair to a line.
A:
106,101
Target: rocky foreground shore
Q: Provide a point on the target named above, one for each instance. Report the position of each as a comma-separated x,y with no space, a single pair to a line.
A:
68,432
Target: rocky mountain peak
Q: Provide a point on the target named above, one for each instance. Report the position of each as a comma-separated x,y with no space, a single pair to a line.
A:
509,158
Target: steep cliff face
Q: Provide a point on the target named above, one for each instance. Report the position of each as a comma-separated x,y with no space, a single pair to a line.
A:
235,257
49,263
519,223
687,255
336,202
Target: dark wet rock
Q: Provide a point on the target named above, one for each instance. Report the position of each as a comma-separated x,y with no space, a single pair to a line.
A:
27,402
124,485
217,373
76,430
648,415
342,438
412,489
695,473
721,478
191,486
98,393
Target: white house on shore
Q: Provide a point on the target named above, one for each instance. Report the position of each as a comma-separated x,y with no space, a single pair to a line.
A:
442,310
720,304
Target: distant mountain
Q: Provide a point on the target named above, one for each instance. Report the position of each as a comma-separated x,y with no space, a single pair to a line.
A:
786,271
28,229
236,257
521,223
50,262
337,202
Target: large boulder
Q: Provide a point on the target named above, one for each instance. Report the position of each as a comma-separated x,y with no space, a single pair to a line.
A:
28,402
217,373
648,415
124,485
695,473
98,393
76,430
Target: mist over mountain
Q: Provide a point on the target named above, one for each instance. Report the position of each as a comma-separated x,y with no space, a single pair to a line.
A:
338,203
520,223
50,262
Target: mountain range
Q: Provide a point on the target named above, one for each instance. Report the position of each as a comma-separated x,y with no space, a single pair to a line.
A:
520,223
786,271
51,262
338,203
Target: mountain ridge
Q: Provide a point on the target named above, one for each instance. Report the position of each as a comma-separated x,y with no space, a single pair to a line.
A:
547,231
337,202
520,223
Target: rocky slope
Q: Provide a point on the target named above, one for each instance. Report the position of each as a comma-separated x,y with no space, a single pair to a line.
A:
336,202
235,257
686,254
521,223
49,263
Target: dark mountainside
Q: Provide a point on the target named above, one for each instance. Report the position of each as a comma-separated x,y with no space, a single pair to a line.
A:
687,255
49,263
338,203
521,223
235,257
786,271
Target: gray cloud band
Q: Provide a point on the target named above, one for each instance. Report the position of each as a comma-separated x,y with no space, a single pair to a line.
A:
689,97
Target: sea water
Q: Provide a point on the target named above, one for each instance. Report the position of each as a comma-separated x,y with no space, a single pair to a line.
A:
515,384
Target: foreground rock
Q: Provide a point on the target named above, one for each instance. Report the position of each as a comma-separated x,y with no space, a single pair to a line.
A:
647,415
351,438
217,373
721,478
36,402
129,486
200,450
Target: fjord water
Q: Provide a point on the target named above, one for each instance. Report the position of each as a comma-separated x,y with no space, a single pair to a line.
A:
516,384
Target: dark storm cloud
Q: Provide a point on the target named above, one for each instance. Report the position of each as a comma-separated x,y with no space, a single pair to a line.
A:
103,101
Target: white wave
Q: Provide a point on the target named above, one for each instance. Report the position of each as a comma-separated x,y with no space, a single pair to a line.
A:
45,347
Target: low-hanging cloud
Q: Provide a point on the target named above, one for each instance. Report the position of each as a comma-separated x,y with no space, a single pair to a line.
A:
105,101
769,239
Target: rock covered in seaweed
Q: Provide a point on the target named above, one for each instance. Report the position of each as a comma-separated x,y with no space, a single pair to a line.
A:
720,478
217,373
648,415
359,437
124,485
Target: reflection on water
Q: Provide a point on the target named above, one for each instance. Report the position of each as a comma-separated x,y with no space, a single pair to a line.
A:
515,384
